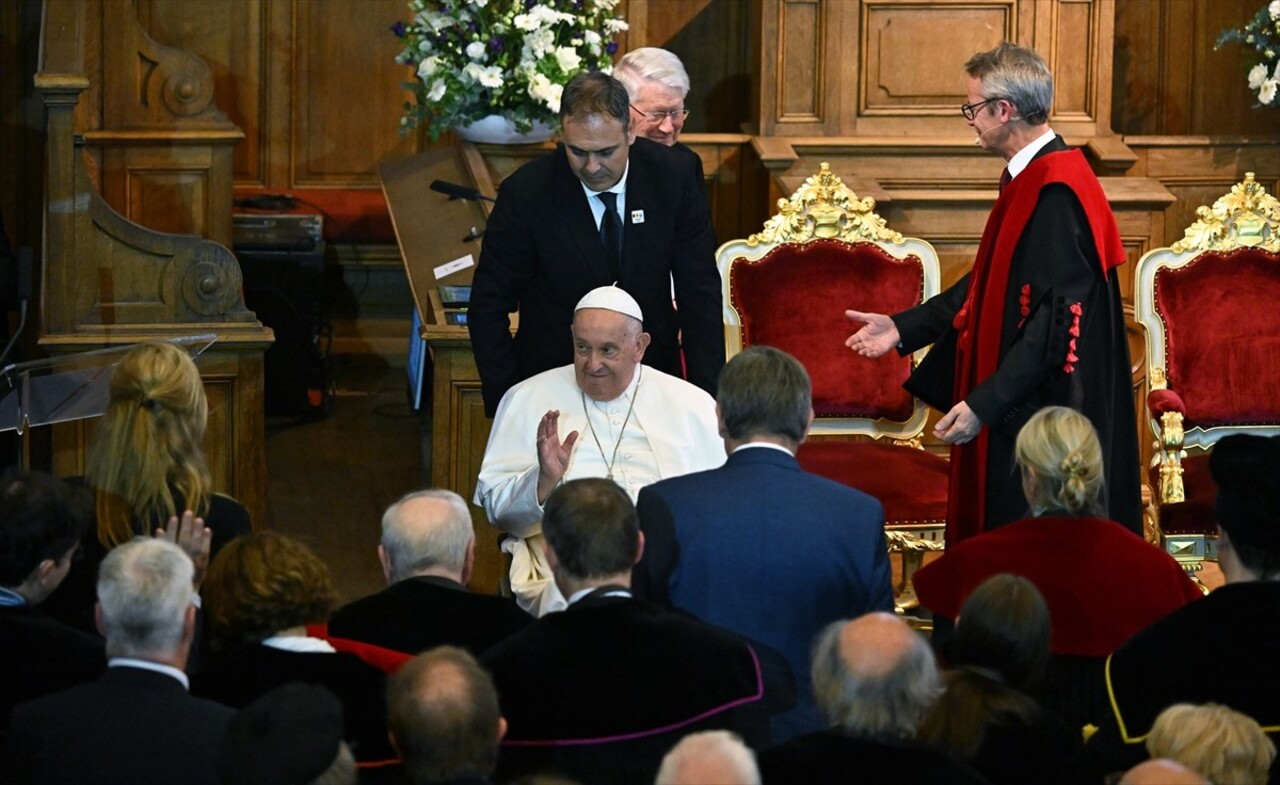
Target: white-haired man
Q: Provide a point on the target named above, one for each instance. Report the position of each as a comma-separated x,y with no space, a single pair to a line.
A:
427,553
873,679
658,85
137,723
603,416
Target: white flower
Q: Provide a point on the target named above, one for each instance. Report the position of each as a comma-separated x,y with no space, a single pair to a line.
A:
542,88
427,68
487,76
540,42
1267,93
568,59
1274,10
475,50
437,91
479,3
1257,74
615,26
593,38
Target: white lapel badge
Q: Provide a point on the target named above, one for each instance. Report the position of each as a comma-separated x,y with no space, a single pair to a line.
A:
637,216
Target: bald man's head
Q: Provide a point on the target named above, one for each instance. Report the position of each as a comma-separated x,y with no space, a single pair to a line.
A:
1161,771
874,676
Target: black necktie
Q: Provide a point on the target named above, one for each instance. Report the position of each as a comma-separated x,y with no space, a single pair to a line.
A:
1005,178
611,232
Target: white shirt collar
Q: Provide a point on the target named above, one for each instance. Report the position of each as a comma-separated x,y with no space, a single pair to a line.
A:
619,187
580,593
1023,157
769,445
148,665
303,643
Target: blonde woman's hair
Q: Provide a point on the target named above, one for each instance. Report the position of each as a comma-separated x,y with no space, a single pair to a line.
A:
1218,743
149,442
1060,448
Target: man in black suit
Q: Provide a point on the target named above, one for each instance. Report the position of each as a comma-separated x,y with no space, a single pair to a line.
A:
551,239
427,553
873,679
137,724
41,522
600,691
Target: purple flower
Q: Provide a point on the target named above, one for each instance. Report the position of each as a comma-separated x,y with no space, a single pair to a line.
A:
398,29
612,47
495,44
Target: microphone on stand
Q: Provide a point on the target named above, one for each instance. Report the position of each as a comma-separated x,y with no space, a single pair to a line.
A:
455,191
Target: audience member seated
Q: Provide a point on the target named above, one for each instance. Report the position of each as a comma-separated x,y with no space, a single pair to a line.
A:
712,757
643,424
600,691
873,679
41,523
444,721
1219,744
427,552
759,546
1161,772
260,593
985,718
1215,649
290,736
136,724
1102,583
146,466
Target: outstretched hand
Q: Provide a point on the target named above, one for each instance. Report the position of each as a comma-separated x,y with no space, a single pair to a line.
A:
190,534
878,335
553,454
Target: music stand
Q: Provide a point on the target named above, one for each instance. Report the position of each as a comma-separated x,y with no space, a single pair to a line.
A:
68,387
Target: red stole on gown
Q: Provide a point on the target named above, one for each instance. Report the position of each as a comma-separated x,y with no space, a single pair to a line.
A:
980,322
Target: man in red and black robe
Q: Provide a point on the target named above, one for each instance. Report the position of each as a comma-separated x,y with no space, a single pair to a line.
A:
1037,321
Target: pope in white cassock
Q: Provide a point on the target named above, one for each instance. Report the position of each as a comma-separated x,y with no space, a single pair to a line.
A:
603,416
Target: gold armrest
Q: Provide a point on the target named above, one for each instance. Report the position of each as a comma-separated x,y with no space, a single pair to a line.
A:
1169,453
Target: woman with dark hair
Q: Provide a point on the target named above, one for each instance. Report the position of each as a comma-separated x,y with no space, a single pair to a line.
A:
984,717
146,467
260,594
1101,582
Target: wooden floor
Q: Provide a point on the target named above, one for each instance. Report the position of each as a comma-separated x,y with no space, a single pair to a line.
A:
329,480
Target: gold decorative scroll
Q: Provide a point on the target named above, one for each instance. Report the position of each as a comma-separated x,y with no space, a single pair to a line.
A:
824,208
1248,217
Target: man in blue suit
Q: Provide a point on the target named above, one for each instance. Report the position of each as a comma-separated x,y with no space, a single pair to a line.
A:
759,546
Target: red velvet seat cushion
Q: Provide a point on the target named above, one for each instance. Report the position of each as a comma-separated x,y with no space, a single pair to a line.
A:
1222,336
1195,515
910,483
794,299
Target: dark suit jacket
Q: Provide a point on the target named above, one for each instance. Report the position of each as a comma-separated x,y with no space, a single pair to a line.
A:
542,253
239,676
417,614
39,656
601,691
832,757
1057,261
763,548
132,727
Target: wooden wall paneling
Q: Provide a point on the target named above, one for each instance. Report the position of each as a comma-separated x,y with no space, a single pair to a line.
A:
347,94
912,77
1168,78
714,41
1201,169
233,39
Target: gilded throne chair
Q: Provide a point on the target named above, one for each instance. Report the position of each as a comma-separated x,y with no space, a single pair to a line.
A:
1209,304
788,287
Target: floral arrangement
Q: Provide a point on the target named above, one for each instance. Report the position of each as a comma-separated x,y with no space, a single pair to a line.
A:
1262,32
475,58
